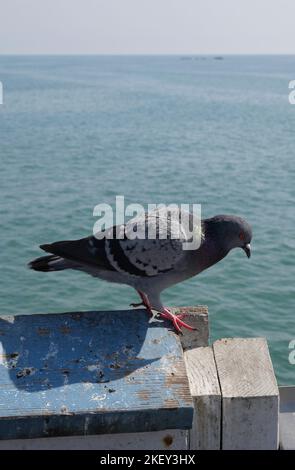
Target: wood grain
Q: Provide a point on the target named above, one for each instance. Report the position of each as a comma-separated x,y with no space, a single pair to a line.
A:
250,397
198,318
205,391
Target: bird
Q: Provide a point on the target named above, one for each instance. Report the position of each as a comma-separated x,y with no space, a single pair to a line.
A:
150,265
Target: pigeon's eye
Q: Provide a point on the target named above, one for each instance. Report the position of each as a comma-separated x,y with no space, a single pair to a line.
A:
242,236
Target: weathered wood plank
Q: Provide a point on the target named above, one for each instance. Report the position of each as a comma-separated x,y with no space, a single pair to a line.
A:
205,391
198,318
90,373
171,439
287,418
250,397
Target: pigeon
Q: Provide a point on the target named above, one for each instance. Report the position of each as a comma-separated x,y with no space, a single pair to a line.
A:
150,265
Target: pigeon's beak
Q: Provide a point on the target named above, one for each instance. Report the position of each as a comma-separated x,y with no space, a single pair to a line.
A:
247,249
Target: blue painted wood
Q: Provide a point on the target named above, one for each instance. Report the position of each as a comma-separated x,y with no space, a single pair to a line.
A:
90,373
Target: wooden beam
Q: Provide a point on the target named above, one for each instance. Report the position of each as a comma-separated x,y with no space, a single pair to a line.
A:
287,417
90,373
171,439
198,318
250,396
205,391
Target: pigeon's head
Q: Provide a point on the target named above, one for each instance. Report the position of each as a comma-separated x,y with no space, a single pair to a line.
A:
234,232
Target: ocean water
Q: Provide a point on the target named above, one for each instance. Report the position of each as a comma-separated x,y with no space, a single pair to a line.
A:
77,131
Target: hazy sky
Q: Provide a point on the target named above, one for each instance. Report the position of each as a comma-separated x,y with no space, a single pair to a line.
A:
147,26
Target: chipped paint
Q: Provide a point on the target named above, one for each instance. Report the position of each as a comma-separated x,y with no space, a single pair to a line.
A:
66,379
26,371
9,360
52,352
156,341
96,397
171,403
43,331
144,394
115,365
93,367
64,410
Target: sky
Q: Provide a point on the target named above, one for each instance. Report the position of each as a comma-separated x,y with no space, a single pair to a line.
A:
147,26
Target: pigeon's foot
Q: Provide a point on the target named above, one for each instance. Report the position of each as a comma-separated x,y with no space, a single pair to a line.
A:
176,320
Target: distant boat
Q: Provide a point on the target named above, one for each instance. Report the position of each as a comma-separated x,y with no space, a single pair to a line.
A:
218,57
185,57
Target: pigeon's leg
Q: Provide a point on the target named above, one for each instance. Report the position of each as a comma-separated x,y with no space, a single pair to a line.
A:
145,302
176,320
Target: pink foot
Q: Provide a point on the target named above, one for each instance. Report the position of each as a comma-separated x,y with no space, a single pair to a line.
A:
176,320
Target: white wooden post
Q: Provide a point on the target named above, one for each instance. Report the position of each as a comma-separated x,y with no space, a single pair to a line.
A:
205,391
203,380
250,396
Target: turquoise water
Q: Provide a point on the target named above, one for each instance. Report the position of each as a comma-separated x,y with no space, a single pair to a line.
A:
77,131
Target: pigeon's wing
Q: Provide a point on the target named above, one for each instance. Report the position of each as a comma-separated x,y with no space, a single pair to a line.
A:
132,257
145,257
88,251
153,244
120,249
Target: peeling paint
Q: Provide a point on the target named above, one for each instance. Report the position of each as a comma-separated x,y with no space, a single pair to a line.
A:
9,360
171,403
96,397
66,379
93,367
144,394
52,352
26,371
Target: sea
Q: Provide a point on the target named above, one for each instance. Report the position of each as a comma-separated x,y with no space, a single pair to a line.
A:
77,131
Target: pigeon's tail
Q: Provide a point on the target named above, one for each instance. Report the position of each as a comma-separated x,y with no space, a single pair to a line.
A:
49,263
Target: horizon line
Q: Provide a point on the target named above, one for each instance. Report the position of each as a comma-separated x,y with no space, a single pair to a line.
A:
172,54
